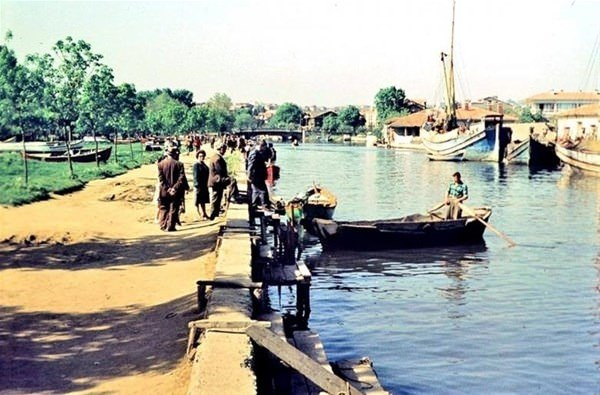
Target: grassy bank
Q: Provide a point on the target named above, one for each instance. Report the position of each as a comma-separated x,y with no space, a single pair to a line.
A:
46,178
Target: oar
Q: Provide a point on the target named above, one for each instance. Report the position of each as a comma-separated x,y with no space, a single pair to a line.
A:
471,212
436,208
432,210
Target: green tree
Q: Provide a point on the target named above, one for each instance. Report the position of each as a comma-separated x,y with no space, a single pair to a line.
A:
97,106
351,118
20,94
287,115
74,64
389,102
331,124
165,115
220,101
243,119
183,96
196,118
526,116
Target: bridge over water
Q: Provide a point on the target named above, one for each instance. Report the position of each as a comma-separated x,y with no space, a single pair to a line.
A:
286,134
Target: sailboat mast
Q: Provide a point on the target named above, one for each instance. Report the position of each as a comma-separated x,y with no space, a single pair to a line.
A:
451,91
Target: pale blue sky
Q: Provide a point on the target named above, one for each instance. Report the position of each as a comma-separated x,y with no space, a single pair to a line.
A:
323,52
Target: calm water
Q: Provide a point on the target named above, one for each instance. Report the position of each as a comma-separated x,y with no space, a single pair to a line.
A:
471,320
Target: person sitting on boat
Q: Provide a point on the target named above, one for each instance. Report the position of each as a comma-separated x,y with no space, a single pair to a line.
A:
456,194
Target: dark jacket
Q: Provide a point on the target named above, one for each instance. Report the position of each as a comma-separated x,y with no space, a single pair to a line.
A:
257,167
171,175
218,175
201,174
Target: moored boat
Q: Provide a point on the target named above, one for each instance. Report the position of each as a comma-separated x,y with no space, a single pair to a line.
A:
412,231
583,156
320,203
82,156
463,134
39,146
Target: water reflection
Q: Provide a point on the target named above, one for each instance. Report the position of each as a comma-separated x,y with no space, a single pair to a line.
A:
349,269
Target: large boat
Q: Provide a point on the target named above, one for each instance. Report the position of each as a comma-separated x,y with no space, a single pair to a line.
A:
451,136
582,156
578,142
83,156
39,146
412,231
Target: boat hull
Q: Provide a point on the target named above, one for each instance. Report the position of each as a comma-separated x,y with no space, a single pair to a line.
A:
584,160
400,233
542,153
40,146
482,145
83,156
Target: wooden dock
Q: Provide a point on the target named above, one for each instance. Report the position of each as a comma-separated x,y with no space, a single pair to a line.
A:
298,364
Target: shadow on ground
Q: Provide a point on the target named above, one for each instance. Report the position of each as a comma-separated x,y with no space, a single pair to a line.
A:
148,251
59,353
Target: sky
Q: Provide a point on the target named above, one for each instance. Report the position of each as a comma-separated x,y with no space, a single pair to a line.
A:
325,52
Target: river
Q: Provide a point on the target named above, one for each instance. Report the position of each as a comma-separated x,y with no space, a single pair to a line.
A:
471,320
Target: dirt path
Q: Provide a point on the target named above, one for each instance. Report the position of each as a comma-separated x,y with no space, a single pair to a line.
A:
93,296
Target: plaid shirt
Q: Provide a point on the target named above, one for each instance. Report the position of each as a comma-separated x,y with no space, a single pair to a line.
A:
458,190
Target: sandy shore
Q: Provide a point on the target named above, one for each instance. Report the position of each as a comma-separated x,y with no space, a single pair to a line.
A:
94,298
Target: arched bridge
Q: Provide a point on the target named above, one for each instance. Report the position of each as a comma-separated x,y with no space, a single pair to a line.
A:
286,134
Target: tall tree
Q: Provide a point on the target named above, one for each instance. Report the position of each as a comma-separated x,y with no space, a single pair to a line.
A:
21,93
75,63
184,97
287,115
331,124
244,119
97,105
389,102
351,118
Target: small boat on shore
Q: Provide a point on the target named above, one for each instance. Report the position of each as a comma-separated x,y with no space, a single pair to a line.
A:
320,203
82,156
39,146
412,231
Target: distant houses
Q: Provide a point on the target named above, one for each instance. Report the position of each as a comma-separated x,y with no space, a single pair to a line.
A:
580,122
551,103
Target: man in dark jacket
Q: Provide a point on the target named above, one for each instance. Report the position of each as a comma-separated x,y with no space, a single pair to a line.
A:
171,175
218,179
257,175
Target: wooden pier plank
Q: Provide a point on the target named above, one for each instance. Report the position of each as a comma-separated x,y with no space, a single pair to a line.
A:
310,344
301,362
361,373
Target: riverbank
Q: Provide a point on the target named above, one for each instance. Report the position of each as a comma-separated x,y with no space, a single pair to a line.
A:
95,298
45,178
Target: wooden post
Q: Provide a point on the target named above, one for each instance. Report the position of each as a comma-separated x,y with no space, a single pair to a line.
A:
303,303
300,362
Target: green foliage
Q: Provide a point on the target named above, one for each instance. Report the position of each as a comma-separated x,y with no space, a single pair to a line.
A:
165,115
388,102
243,119
46,178
287,115
527,116
331,124
350,118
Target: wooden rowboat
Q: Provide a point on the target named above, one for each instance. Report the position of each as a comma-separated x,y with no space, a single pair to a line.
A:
83,156
412,231
320,203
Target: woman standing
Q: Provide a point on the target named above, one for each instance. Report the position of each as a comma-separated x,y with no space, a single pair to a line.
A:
201,184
